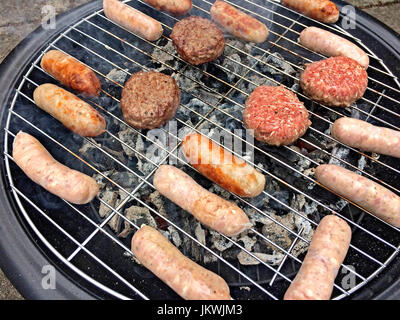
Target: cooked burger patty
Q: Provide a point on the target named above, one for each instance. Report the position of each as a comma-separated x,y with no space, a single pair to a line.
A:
149,99
198,40
276,115
336,81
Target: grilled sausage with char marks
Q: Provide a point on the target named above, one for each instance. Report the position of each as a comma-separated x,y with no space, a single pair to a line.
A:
74,113
222,167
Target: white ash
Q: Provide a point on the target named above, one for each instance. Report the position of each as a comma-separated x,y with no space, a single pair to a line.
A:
196,105
338,205
86,146
255,81
362,162
165,54
245,288
138,216
117,75
233,46
271,259
216,189
157,200
255,216
101,180
174,236
302,223
278,235
129,137
125,179
309,173
109,197
219,242
91,151
209,257
339,153
282,237
189,78
115,222
135,146
210,97
298,201
302,246
248,242
274,64
310,208
234,66
303,164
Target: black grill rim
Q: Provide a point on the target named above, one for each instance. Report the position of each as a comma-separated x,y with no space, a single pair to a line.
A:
22,256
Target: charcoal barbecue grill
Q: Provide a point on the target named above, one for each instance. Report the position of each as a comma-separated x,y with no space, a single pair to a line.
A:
89,245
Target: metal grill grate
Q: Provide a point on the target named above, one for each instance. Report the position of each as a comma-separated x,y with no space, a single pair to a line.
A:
103,45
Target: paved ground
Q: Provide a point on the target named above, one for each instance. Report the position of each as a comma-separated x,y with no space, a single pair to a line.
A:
19,17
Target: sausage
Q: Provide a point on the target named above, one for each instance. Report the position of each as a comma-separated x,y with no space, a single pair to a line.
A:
238,23
211,210
378,200
38,164
321,10
188,279
332,45
222,167
71,73
365,136
132,19
327,250
72,112
175,7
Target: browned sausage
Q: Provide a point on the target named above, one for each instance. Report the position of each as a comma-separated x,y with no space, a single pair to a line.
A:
175,7
332,45
72,112
321,10
38,164
211,210
132,19
327,250
368,194
188,279
70,72
222,167
238,23
367,137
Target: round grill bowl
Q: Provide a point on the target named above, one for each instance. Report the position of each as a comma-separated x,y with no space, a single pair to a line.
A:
25,247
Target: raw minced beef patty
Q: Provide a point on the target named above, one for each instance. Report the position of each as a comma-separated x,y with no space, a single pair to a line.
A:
149,99
336,81
276,115
198,40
